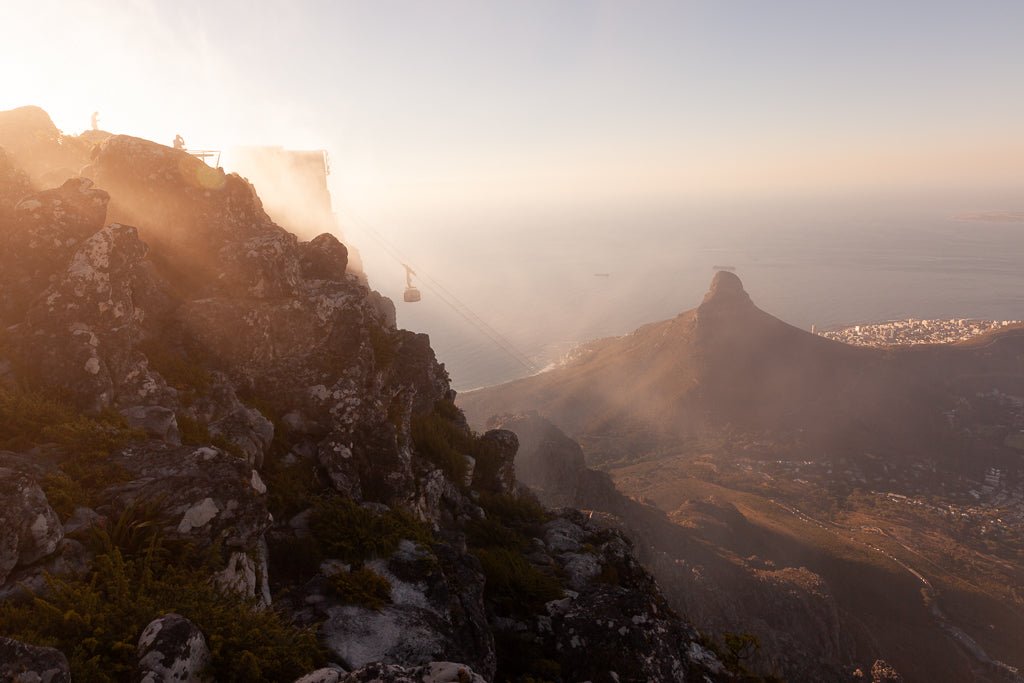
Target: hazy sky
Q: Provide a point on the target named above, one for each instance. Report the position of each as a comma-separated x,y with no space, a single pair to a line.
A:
548,102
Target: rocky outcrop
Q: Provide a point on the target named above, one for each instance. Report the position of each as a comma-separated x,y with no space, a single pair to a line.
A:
80,334
204,496
172,650
434,672
218,368
789,609
45,229
614,623
29,528
21,663
499,474
547,461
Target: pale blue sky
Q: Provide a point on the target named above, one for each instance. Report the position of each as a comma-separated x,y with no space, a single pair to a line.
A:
422,103
513,149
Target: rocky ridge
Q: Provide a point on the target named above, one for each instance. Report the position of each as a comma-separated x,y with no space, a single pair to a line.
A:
221,454
787,609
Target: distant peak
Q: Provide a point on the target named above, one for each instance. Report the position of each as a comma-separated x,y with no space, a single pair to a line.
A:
726,287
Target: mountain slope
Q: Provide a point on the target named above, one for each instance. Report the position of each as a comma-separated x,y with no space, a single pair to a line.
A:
727,366
220,459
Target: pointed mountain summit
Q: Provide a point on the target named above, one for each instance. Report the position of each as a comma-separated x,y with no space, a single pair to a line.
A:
728,365
726,290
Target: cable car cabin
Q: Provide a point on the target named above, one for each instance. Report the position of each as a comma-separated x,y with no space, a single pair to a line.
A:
412,295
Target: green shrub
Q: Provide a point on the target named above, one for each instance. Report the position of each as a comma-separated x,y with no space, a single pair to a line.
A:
362,587
183,369
195,433
521,513
348,532
81,481
84,442
96,621
515,585
442,443
290,487
28,419
449,411
492,533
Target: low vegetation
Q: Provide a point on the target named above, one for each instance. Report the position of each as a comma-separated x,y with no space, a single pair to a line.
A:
513,584
362,587
82,444
343,530
96,618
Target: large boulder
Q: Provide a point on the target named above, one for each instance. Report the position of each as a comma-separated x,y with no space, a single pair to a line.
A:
29,528
548,461
203,495
22,663
436,610
227,418
81,334
323,258
172,650
613,623
43,232
499,476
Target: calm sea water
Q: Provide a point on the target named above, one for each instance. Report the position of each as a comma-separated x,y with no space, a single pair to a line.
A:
547,283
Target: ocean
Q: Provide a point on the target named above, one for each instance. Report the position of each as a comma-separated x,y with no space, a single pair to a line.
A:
542,283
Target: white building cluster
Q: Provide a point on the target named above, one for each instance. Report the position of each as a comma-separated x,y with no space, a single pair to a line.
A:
913,331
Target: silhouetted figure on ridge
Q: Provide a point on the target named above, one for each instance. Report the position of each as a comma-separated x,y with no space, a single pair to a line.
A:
179,142
95,119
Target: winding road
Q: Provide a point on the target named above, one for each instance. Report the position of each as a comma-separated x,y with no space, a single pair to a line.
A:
928,592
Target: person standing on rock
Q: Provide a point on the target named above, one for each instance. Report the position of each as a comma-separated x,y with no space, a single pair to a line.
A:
179,142
95,120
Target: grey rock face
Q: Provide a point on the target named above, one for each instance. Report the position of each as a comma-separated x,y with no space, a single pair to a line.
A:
323,258
434,672
325,675
247,429
44,230
21,663
80,334
172,650
613,623
436,610
502,445
204,495
548,461
156,421
29,528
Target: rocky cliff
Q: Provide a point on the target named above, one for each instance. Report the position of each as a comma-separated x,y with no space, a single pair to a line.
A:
789,610
220,459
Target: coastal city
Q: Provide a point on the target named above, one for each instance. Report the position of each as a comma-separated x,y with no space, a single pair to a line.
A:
913,331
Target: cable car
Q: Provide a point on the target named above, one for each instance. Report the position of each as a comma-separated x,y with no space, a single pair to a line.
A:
412,294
